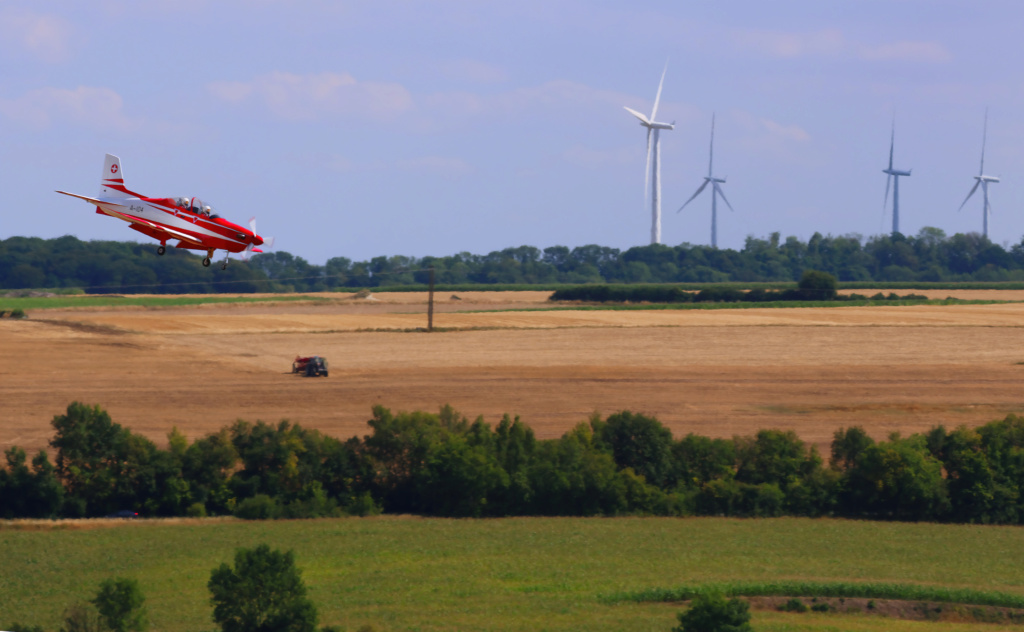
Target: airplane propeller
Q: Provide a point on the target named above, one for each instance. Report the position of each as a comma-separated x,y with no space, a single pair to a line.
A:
250,249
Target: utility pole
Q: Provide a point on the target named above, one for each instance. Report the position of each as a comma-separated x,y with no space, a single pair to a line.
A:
430,302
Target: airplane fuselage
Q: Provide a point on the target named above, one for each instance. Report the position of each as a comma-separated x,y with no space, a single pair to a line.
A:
163,219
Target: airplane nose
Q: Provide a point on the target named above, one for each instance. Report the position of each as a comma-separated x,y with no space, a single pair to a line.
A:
257,240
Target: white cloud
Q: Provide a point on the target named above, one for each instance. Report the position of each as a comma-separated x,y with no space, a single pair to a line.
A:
832,43
781,44
550,94
767,137
330,94
906,51
784,132
46,37
558,97
559,92
312,96
475,71
99,108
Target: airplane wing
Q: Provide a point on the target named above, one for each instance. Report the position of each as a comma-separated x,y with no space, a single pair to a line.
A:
167,230
177,234
82,197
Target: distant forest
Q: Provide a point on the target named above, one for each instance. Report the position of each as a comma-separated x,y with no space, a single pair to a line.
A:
129,267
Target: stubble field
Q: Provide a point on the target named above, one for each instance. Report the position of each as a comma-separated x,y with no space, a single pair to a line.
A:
718,373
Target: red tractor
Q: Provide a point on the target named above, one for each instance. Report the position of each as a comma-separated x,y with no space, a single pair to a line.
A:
310,366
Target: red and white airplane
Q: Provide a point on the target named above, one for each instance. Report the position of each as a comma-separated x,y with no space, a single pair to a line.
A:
194,224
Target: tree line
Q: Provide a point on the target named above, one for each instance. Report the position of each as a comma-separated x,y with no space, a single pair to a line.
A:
446,465
125,267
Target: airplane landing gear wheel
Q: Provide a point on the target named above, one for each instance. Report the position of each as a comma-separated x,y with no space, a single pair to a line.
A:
206,262
161,250
224,266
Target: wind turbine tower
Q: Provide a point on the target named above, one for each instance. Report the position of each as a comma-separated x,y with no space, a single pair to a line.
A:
652,173
716,190
894,179
983,181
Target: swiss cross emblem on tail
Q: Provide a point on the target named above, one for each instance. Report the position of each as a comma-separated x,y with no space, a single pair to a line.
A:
112,173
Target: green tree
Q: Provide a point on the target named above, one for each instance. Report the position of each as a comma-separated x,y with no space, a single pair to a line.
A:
712,612
458,479
570,476
639,442
818,286
698,460
29,493
848,444
897,479
775,456
103,465
121,605
207,465
264,592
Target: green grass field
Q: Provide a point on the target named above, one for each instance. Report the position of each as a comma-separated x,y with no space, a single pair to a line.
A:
397,573
108,300
35,304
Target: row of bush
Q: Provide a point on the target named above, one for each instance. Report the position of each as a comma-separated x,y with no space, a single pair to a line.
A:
445,465
814,285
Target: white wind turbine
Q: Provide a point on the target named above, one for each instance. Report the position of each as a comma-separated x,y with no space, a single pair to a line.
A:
716,190
982,180
652,175
893,174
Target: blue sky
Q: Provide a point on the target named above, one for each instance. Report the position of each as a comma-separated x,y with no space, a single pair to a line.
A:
360,129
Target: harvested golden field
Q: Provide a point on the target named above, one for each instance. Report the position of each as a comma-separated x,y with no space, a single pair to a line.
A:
714,372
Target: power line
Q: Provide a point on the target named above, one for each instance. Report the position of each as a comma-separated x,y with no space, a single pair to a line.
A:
265,280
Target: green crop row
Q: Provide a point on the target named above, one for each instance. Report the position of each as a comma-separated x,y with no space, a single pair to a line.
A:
848,590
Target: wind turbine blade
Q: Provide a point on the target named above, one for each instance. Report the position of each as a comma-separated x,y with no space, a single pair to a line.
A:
657,98
892,141
647,167
637,114
973,189
711,152
984,135
719,190
885,200
694,196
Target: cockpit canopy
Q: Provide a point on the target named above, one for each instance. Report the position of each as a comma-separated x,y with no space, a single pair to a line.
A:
197,206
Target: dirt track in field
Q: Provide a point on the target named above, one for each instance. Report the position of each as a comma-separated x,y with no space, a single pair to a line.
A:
715,372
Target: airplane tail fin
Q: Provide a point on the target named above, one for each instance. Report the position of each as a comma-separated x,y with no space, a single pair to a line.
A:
112,178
